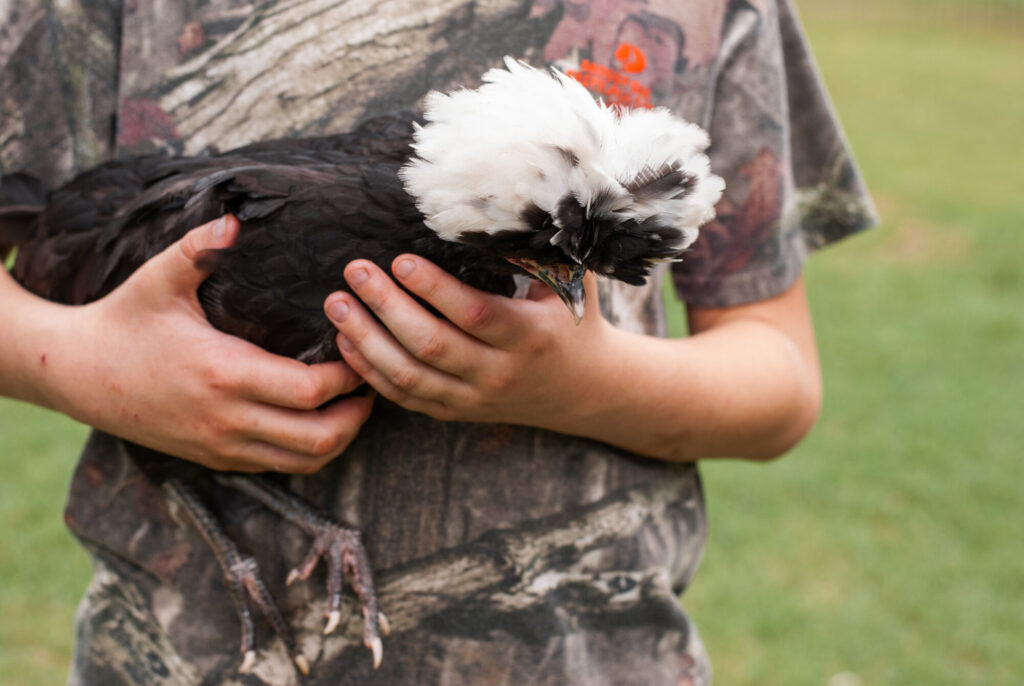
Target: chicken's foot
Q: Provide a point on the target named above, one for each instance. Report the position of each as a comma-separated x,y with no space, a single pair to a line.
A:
339,546
241,576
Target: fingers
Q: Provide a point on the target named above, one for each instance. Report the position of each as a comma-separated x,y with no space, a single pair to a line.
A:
177,264
280,421
298,442
384,363
488,317
257,375
420,333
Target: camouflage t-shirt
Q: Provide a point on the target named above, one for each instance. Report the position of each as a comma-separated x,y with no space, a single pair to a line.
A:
503,555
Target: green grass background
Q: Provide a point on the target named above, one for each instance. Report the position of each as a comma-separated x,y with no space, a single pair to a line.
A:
888,549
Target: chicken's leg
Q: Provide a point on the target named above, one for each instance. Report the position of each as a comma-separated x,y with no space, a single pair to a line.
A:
340,547
241,576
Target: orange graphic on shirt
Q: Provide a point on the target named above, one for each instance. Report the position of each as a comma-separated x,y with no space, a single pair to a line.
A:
631,58
614,86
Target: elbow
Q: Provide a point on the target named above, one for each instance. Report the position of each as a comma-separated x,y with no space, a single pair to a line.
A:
768,438
792,424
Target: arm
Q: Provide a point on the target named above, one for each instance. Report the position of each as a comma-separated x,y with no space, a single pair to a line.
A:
144,364
746,384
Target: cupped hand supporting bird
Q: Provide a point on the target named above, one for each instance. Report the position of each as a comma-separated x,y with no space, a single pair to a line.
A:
144,364
495,359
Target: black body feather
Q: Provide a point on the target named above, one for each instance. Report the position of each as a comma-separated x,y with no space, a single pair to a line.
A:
307,207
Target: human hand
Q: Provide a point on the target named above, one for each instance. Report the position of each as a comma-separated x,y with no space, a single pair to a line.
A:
495,360
144,364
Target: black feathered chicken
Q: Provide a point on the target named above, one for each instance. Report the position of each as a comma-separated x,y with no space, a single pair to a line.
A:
525,175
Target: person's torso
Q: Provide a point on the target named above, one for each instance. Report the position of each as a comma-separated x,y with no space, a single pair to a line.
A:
505,545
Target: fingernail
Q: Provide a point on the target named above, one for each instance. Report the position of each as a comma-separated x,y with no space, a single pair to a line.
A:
345,344
405,268
358,277
219,227
338,311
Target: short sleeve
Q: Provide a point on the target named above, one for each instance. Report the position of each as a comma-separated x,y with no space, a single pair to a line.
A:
791,183
58,85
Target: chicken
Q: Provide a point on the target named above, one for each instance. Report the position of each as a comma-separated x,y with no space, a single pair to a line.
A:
526,175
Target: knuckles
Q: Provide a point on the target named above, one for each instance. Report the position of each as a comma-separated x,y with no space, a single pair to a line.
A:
378,299
228,456
218,369
376,293
217,378
499,380
327,446
310,394
188,245
404,379
432,349
479,315
220,430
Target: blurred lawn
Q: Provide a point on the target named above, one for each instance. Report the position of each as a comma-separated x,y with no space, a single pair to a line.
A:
43,572
886,548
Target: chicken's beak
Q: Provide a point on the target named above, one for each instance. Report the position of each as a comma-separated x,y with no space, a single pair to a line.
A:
565,280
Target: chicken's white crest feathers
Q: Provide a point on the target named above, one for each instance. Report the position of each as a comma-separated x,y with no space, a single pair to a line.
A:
526,140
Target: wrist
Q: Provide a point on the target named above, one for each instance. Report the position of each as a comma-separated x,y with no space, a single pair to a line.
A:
597,385
57,362
623,395
23,364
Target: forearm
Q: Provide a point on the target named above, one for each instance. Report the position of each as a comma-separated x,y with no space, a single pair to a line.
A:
22,352
742,389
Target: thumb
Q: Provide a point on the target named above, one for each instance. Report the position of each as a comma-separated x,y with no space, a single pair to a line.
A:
178,267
